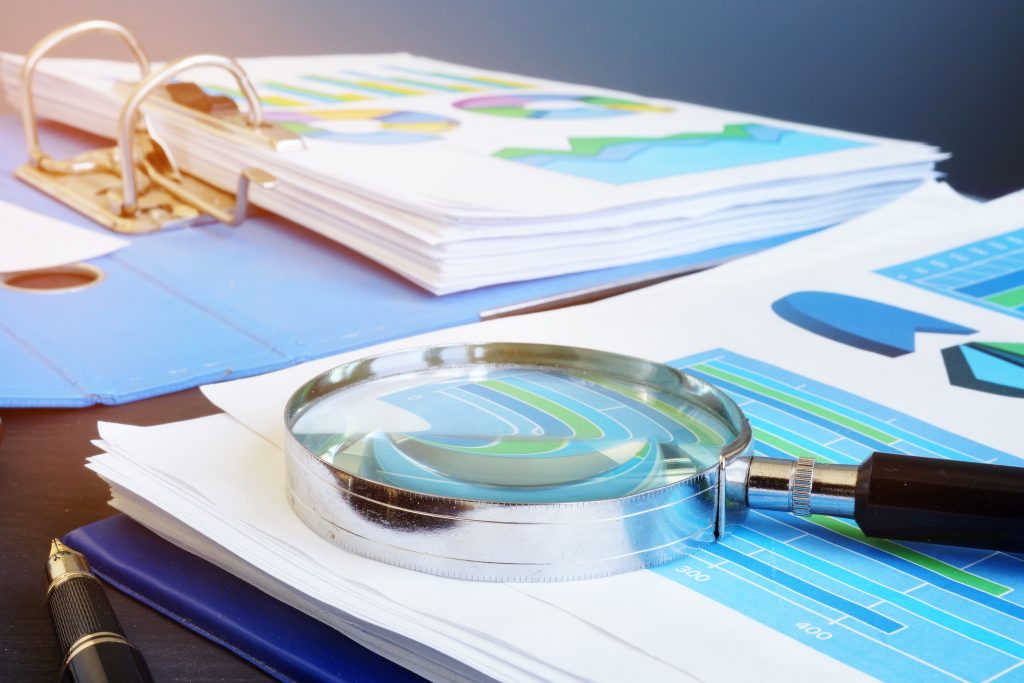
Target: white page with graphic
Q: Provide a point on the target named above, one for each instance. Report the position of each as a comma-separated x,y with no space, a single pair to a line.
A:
789,334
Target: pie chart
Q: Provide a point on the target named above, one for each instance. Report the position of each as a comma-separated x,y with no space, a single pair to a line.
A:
991,367
556,106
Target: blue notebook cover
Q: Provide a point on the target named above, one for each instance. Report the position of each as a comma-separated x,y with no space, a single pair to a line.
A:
282,641
184,307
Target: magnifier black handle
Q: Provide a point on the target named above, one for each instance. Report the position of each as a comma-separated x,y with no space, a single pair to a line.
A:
941,501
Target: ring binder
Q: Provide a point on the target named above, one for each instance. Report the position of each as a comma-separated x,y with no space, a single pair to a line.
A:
135,186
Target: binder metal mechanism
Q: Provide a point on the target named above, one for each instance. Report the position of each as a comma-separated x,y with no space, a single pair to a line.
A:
136,186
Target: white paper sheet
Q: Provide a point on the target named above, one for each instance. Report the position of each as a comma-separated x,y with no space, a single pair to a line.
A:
30,240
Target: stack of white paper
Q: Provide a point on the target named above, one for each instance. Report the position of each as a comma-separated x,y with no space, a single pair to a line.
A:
779,598
458,178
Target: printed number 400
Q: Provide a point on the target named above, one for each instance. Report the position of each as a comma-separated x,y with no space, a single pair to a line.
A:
812,630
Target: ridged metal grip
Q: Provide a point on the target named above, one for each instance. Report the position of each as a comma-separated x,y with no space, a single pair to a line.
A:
803,486
800,489
79,607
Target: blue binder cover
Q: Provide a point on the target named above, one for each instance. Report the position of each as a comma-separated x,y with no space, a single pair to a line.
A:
180,308
280,640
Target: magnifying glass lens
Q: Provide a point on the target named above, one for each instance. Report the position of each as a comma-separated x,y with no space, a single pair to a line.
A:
513,433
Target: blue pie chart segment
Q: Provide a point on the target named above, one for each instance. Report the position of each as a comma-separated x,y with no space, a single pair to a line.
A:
862,323
994,368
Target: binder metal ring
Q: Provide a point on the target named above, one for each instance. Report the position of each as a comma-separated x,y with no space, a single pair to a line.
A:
105,184
208,201
37,157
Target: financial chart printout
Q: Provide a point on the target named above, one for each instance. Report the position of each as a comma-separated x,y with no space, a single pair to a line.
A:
988,273
898,611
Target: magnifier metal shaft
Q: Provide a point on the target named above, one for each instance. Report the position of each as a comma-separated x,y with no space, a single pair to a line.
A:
802,486
898,496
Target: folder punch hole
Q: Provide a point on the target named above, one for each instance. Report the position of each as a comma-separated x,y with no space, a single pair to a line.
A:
136,186
55,280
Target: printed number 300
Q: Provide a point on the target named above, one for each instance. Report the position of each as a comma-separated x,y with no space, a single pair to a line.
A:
692,573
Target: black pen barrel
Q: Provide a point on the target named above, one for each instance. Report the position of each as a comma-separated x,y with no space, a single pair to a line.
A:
89,634
79,608
114,661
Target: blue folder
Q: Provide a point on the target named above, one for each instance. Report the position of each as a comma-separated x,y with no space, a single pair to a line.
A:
180,308
282,641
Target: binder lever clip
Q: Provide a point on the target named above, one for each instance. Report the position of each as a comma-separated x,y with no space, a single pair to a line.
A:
136,186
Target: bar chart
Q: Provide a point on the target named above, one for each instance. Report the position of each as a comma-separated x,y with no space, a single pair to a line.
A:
988,273
896,611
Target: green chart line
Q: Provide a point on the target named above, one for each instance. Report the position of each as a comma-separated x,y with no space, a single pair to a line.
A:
786,446
910,555
789,399
1011,299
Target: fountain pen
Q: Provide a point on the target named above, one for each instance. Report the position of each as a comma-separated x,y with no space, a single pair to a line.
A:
91,640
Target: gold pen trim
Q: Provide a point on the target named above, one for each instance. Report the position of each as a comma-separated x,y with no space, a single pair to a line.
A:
65,577
91,640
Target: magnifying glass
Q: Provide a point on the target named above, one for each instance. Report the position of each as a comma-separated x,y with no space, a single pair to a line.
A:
530,462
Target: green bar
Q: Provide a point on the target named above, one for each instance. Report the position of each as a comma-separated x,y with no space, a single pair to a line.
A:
786,446
307,92
1007,347
515,112
583,428
859,427
1011,298
429,86
920,559
705,433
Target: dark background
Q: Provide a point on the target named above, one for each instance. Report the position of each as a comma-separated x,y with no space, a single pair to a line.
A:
946,72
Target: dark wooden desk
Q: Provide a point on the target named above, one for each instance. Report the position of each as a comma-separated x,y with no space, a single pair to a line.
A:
45,491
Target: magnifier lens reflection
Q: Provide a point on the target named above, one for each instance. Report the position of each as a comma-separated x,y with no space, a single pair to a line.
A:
513,434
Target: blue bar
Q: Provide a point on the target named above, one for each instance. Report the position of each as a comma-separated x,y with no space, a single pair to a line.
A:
352,86
302,94
995,285
406,82
797,439
764,449
898,599
927,438
933,447
810,417
858,612
763,412
925,574
460,79
552,426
